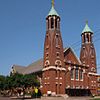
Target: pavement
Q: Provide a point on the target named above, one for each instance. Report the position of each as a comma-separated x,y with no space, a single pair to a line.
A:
50,98
62,98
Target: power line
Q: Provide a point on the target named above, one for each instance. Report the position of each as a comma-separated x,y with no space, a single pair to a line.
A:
96,39
76,43
96,32
76,47
79,42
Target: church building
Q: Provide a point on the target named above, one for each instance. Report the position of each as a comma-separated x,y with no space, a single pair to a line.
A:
60,70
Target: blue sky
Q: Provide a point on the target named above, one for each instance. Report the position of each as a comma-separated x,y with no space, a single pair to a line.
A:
23,28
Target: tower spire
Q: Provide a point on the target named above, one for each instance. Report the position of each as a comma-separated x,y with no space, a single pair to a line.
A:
86,21
53,11
52,3
87,28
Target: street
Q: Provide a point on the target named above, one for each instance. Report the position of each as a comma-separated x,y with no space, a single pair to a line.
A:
50,98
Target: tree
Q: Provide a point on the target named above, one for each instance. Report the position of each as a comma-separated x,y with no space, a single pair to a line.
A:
2,82
18,81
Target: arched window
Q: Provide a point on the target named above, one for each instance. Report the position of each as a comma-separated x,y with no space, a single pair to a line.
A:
57,40
47,42
81,74
76,73
83,52
47,39
72,73
84,38
56,23
48,23
90,37
52,23
87,37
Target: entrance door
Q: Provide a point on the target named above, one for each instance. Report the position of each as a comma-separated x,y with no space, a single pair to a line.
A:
78,92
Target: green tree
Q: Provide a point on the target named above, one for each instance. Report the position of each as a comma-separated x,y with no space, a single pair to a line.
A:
18,80
2,82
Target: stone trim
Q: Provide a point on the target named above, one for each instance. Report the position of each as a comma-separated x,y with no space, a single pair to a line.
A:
54,67
93,74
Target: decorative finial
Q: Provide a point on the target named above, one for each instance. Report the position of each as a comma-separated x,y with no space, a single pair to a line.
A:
86,21
52,3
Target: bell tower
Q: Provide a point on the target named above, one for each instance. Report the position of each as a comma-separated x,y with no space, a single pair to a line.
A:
53,75
87,54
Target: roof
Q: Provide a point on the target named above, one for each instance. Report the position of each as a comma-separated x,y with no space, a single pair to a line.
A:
37,65
70,49
53,12
34,67
18,69
87,29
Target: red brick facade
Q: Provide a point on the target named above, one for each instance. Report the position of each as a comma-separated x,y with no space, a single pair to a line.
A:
98,84
88,58
62,71
54,68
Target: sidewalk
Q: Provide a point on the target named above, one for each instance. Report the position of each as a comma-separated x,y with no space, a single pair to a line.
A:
61,98
42,98
48,98
56,98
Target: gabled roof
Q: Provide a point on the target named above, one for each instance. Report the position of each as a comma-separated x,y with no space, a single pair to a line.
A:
87,29
66,50
53,12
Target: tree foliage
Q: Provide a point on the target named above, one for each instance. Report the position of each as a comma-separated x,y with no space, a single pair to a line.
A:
18,80
2,82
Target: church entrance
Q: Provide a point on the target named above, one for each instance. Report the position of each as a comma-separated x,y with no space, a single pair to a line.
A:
78,92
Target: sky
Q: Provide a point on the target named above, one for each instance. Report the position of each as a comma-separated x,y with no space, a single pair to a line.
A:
23,28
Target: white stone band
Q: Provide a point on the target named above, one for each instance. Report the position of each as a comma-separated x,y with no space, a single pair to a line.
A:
54,67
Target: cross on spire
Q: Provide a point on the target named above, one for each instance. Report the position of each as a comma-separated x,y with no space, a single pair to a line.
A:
86,21
52,3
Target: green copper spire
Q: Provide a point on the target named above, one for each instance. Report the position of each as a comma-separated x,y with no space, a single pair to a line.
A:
53,11
52,3
87,29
